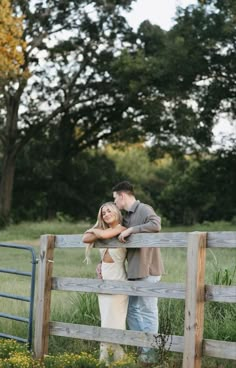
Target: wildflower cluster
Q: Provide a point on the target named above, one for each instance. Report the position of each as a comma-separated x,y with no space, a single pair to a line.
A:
70,360
16,355
8,347
20,360
128,361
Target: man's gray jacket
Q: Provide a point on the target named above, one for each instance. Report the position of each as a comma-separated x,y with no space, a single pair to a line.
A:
143,262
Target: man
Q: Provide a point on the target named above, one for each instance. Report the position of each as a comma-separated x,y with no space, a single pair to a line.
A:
144,264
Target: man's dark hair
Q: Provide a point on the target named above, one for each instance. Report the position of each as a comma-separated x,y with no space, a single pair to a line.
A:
124,186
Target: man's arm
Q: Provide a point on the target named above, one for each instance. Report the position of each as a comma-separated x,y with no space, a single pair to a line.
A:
151,223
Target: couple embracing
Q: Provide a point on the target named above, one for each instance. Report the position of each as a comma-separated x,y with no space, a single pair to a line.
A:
144,264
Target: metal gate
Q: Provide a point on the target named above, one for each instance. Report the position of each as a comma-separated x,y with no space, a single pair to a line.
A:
29,299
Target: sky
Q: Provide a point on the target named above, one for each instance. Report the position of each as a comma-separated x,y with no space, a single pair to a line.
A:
159,12
162,12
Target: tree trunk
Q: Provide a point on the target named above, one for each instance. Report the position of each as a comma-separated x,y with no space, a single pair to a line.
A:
9,140
6,186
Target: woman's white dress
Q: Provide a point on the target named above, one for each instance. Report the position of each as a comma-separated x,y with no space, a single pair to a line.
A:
113,308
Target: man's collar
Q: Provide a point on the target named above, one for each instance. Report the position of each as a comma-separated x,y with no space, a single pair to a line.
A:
134,206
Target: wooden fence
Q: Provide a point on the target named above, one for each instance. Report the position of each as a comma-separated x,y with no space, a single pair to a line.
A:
195,293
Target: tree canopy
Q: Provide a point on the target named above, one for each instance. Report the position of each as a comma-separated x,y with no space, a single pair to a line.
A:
92,80
70,47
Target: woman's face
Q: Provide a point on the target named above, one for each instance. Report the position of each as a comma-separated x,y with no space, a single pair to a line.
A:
108,215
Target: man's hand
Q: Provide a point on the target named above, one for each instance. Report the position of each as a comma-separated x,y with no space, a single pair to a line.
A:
99,271
124,234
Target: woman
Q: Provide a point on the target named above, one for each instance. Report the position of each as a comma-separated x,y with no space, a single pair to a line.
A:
113,308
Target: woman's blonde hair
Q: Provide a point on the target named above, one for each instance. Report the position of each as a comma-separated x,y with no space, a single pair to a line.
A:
101,224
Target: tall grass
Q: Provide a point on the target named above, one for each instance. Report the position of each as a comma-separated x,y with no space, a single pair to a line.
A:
83,307
30,231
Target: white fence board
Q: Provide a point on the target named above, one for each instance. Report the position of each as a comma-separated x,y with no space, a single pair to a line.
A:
211,348
160,289
218,239
213,293
125,337
219,349
218,293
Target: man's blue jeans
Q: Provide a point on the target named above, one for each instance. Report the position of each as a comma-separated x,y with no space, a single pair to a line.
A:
143,311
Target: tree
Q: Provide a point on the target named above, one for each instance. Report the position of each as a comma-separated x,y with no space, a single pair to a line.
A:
144,177
42,190
201,190
204,72
70,48
186,77
95,81
12,46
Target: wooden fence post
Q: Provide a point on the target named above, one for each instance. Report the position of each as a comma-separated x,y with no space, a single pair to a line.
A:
194,301
42,315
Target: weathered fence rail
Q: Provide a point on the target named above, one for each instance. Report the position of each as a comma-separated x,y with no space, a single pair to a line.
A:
195,293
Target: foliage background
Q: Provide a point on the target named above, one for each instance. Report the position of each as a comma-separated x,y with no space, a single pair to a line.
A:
92,102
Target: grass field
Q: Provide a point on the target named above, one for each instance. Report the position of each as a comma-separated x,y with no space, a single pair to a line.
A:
220,318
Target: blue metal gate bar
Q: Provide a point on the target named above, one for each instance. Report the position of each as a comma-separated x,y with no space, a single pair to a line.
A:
16,297
20,339
15,318
15,272
31,274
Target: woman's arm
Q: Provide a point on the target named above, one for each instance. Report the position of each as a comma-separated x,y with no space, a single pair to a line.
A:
93,234
89,236
108,233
